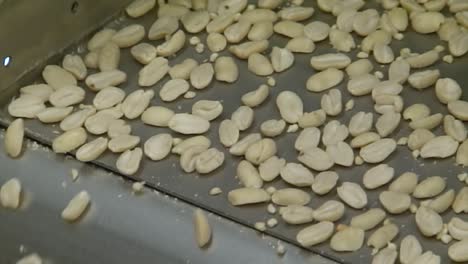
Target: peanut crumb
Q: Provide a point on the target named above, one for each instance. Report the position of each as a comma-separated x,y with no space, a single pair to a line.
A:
272,222
194,40
215,191
349,105
260,226
362,55
448,59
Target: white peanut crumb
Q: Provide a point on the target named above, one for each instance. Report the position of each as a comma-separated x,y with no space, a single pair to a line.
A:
446,238
378,74
442,232
215,191
405,52
30,259
194,40
237,16
398,36
462,176
391,245
358,160
271,81
190,95
374,251
272,222
251,7
214,56
349,105
138,187
413,208
362,55
271,209
293,128
439,48
445,229
402,141
74,174
425,203
448,59
271,190
176,141
280,249
200,48
415,153
260,226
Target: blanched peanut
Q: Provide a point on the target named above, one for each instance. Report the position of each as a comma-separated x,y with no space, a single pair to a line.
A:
237,31
109,57
244,50
14,137
162,27
183,69
220,23
289,29
290,106
281,59
260,31
76,207
226,69
10,194
100,39
202,228
324,80
139,7
379,36
458,44
366,22
75,65
202,75
399,18
101,80
301,45
341,40
129,36
175,43
359,67
153,72
383,53
423,79
216,42
196,21
423,60
173,10
258,15
426,22
256,97
330,60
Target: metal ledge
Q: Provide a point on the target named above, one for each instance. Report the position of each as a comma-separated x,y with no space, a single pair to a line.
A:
119,227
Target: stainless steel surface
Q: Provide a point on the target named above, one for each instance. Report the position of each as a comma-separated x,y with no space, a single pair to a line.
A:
33,31
119,227
167,177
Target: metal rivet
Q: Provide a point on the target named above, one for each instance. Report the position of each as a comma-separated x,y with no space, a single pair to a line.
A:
6,61
74,7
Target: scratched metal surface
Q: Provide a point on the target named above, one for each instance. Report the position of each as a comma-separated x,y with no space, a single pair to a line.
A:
167,176
119,227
